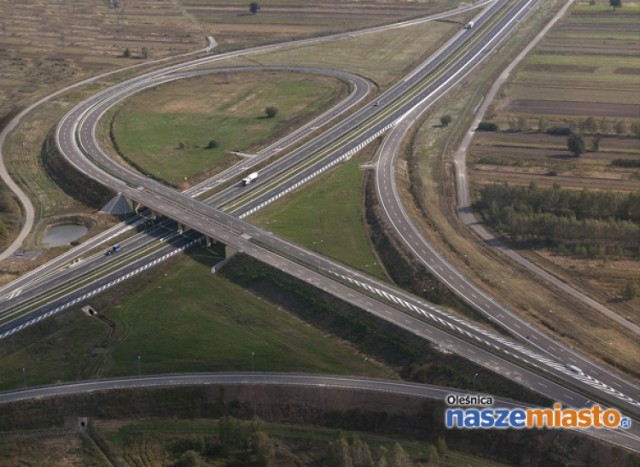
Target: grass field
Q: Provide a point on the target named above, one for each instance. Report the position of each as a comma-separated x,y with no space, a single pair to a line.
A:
383,56
581,58
217,328
166,131
327,217
47,43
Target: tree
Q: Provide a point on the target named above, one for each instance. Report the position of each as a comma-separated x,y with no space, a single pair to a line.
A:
575,144
595,144
399,457
589,125
254,7
542,125
433,458
522,124
445,120
487,126
145,52
441,446
271,111
604,126
615,4
620,128
212,144
126,53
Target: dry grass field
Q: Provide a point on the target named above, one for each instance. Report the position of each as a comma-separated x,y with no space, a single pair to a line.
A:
231,23
46,44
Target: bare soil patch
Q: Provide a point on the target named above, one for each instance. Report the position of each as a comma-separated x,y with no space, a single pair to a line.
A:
553,107
627,71
560,68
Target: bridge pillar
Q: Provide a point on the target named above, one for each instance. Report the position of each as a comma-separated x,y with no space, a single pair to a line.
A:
229,252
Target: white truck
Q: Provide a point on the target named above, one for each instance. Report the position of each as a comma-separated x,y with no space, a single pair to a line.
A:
469,25
250,178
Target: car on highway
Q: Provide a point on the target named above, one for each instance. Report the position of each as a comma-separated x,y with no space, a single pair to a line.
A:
114,249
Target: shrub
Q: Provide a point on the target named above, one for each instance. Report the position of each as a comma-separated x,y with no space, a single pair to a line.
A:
487,126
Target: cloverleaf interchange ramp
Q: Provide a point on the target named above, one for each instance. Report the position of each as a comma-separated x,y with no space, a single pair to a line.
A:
247,238
76,134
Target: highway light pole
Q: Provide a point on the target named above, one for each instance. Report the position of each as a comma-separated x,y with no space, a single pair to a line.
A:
24,376
138,365
474,380
252,354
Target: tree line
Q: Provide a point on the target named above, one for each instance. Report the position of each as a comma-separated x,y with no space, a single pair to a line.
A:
587,223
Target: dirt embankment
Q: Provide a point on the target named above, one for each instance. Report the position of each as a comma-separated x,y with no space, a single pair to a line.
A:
71,181
415,358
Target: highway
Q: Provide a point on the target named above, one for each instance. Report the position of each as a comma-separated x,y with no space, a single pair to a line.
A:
398,217
285,380
76,136
15,288
35,284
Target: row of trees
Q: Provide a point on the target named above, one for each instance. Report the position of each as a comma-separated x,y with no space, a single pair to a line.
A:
238,443
584,204
565,230
356,453
585,223
246,443
588,125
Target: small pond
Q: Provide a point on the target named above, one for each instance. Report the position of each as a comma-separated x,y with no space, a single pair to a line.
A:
63,234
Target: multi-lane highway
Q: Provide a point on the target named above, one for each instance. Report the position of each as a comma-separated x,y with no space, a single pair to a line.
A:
76,137
545,373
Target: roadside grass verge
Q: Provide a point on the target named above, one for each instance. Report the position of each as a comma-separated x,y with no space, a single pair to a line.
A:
178,319
166,131
327,216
